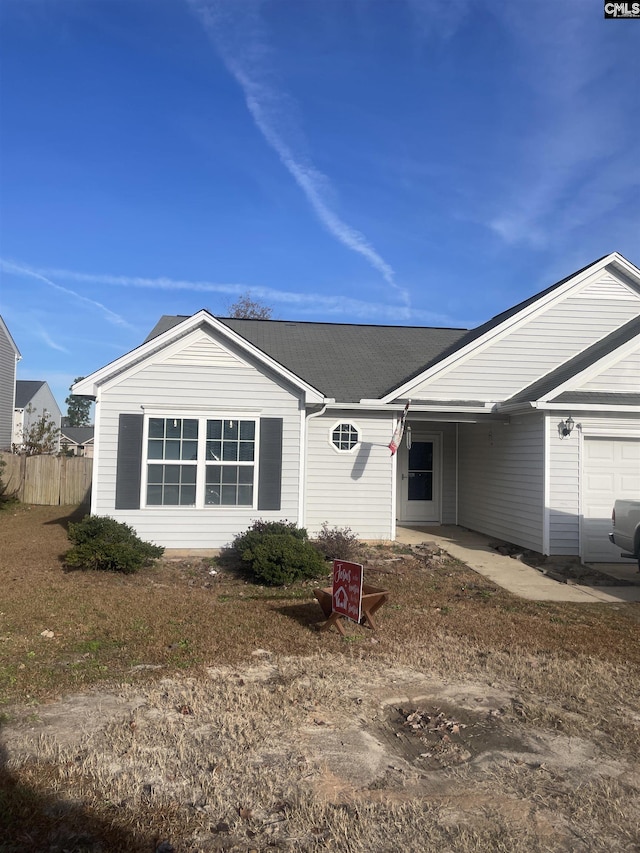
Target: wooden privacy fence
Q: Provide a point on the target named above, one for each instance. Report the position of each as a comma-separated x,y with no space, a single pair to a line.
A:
47,480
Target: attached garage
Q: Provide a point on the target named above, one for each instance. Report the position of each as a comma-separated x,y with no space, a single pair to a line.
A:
610,471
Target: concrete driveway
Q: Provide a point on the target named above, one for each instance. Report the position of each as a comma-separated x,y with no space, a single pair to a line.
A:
475,550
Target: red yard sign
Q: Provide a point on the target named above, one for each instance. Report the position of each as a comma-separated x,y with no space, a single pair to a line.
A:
347,589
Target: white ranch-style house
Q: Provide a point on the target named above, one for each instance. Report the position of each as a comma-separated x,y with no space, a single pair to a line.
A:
526,428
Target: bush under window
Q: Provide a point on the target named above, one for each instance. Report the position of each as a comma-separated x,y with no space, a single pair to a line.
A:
104,544
276,553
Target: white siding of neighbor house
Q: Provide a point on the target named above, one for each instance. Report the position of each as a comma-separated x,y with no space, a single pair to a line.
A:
622,376
565,467
521,356
352,489
7,388
501,480
204,379
42,401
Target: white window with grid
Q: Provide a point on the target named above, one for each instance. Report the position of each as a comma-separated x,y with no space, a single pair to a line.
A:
201,461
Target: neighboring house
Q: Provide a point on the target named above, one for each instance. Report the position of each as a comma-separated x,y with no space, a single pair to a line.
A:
524,429
9,357
33,398
77,441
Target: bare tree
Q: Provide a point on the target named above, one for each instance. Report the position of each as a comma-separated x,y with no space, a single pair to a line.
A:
246,308
39,436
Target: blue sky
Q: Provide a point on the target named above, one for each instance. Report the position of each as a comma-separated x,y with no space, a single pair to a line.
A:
358,161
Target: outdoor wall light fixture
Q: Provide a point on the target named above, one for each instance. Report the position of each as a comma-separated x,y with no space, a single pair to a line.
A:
566,427
408,438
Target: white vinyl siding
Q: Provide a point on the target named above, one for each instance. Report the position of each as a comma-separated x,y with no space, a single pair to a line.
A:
605,286
168,387
566,479
351,489
200,349
501,480
564,489
521,356
622,376
449,485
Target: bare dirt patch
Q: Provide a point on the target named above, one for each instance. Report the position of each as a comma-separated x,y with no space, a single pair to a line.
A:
437,735
305,755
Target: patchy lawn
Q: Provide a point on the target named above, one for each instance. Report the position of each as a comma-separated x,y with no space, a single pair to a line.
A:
210,713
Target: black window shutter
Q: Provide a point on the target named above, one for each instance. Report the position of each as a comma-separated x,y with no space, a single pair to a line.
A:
128,468
270,463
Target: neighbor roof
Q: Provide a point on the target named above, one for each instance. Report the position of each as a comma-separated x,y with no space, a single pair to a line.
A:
343,361
79,435
26,389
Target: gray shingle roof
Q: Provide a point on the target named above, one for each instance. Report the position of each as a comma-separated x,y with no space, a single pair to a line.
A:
79,435
604,398
347,362
352,362
580,362
26,389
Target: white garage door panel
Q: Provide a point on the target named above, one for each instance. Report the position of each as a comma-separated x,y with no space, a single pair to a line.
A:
610,471
631,452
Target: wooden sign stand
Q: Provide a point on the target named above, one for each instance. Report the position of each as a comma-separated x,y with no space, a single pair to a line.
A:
372,600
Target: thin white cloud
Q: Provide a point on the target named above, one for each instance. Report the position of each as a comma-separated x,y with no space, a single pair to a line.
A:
21,269
48,340
305,303
236,31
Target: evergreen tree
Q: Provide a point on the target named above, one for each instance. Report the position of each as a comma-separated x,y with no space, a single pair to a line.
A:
78,408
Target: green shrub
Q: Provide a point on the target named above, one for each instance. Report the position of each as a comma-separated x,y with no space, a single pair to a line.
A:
277,553
105,544
337,543
247,540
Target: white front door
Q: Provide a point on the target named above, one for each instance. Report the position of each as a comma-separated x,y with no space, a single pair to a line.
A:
419,477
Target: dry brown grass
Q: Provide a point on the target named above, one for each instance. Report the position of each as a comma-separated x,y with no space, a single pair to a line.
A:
216,761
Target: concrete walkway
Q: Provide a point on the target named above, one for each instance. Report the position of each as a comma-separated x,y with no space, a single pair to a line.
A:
515,576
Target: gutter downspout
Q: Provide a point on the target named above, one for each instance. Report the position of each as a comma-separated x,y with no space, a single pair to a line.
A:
302,503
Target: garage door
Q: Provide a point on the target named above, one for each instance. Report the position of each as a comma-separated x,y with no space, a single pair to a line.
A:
611,470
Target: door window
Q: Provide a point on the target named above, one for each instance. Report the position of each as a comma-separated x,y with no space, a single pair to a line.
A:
420,471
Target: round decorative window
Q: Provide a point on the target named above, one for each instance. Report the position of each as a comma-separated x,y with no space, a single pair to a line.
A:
344,437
